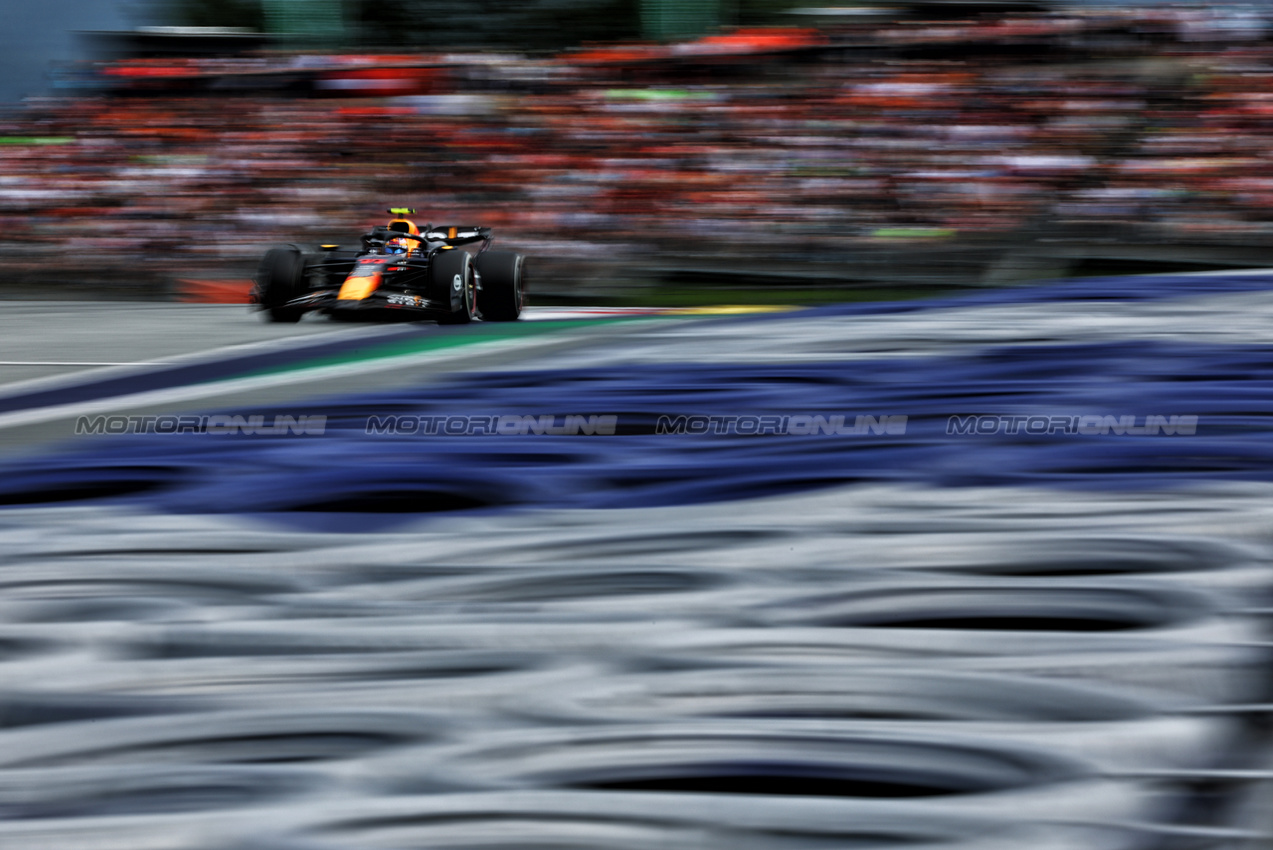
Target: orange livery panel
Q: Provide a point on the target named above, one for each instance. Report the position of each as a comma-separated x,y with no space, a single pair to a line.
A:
363,280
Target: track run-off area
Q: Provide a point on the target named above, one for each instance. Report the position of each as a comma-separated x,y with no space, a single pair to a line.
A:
990,570
63,360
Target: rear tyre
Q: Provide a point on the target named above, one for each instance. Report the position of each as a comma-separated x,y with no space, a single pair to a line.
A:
503,291
452,282
279,279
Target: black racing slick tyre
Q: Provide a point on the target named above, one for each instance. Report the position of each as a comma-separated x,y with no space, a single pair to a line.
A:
279,279
503,291
452,281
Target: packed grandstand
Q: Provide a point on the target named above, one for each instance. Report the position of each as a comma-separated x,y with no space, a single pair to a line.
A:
797,150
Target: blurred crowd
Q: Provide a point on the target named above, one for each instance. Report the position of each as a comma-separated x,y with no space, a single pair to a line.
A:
818,151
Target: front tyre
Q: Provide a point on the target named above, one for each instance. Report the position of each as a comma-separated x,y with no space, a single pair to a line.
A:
279,279
503,291
452,282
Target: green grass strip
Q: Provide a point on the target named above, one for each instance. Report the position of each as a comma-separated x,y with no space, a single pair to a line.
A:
440,342
36,140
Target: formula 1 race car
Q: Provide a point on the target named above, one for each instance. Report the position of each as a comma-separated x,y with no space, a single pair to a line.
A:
401,271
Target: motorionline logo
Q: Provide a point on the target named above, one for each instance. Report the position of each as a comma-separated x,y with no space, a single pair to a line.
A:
457,425
508,424
256,424
796,425
1087,425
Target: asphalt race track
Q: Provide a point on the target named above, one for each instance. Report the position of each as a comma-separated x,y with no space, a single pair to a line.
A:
50,338
50,352
1052,634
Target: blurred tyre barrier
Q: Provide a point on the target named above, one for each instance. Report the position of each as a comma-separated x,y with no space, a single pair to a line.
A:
1125,632
653,820
67,793
377,641
1233,571
1118,731
912,674
774,776
1117,727
848,691
217,737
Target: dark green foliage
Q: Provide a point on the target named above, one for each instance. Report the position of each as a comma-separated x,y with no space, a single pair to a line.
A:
515,25
529,25
213,13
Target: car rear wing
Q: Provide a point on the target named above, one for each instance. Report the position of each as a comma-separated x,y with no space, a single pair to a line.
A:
447,235
456,235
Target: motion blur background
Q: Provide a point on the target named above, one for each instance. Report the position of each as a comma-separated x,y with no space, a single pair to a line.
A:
643,151
359,639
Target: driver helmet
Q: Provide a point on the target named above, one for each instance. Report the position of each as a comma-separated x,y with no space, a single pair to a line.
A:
398,246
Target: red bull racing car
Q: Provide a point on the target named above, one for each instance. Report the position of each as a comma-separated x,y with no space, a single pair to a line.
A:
400,271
